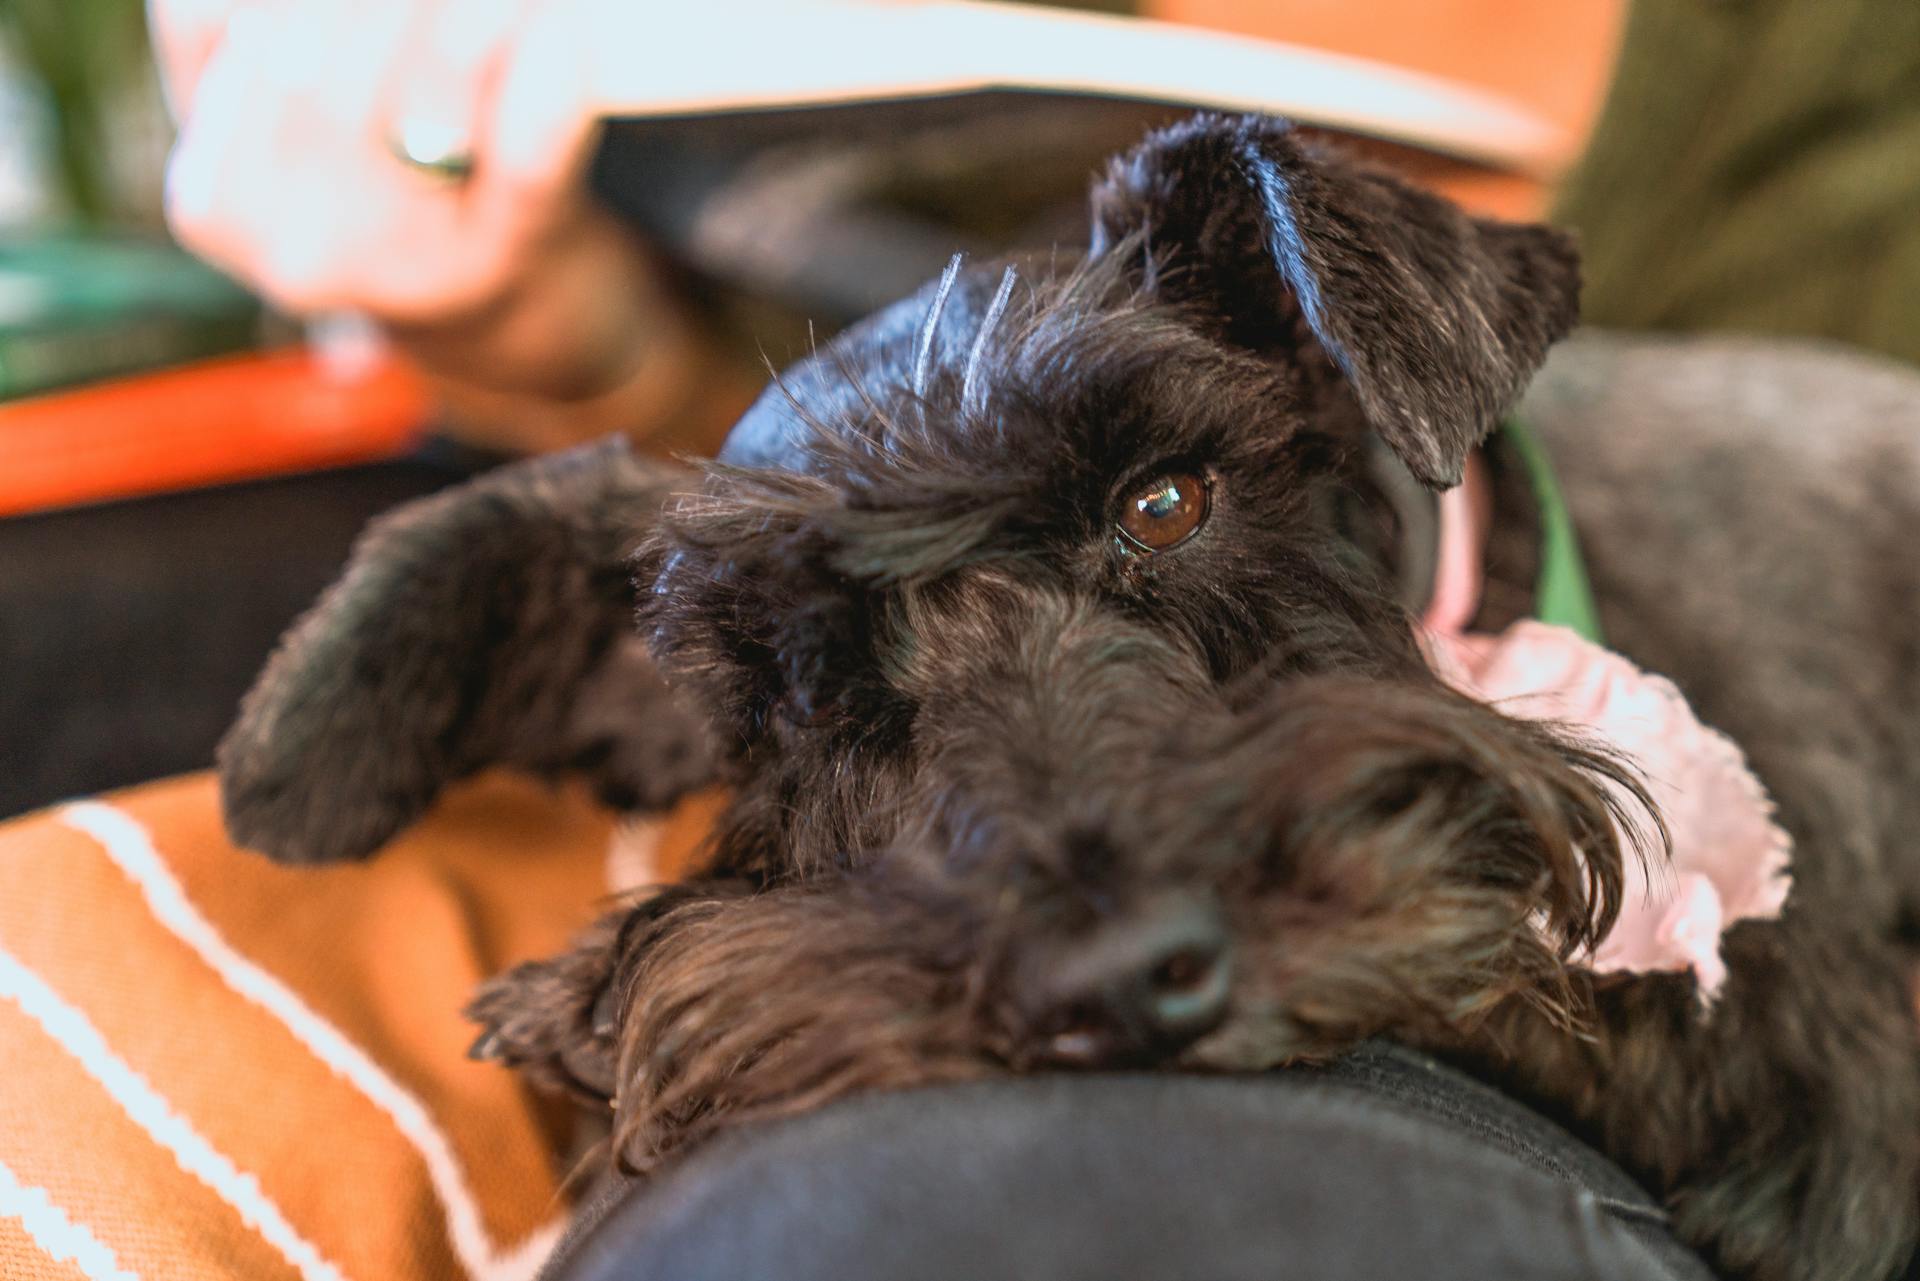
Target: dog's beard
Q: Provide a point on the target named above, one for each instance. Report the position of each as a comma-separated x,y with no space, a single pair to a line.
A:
1383,858
1402,860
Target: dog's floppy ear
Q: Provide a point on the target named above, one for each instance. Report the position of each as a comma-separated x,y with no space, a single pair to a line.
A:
1436,319
489,624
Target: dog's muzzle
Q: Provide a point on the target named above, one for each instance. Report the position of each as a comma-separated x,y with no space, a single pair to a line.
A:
1138,988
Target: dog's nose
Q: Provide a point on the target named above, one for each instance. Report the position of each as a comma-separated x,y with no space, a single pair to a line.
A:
1141,987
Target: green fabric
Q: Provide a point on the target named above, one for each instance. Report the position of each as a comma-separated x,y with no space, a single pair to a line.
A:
1757,168
90,58
76,307
1563,595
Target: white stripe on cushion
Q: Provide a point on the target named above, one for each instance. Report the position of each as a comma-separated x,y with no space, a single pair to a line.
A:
127,842
75,1034
63,1240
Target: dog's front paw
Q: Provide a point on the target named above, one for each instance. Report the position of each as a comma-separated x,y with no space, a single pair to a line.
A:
559,1021
550,1019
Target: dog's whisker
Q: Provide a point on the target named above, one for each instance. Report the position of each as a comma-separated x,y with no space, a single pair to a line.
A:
812,421
970,386
923,352
877,412
1149,264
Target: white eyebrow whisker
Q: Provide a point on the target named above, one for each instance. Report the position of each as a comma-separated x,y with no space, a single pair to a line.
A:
923,357
969,381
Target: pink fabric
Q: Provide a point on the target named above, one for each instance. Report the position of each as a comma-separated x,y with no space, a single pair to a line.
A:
1458,561
1730,858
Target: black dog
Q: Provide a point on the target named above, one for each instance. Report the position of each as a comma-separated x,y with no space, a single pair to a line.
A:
1053,633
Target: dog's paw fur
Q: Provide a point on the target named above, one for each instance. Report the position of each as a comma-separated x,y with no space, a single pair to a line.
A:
553,1019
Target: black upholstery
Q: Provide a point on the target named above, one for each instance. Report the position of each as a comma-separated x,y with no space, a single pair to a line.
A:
1388,1165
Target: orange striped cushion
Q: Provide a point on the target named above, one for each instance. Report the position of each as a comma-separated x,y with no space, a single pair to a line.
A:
215,1067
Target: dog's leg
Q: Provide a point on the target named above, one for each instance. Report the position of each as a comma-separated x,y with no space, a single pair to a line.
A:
491,624
1781,1123
711,1005
558,1020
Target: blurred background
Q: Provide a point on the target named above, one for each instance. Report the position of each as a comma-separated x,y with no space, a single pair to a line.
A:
187,451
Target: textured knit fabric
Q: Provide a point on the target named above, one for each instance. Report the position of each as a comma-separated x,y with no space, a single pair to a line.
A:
1756,169
219,1068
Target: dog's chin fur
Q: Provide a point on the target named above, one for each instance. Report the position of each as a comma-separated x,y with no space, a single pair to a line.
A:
1012,792
1389,858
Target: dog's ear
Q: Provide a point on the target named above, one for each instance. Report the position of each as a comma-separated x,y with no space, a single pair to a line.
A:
490,624
1436,320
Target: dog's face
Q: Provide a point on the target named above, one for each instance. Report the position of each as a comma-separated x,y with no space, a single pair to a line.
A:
1064,607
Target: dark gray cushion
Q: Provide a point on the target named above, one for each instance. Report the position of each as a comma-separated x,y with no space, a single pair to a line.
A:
1387,1165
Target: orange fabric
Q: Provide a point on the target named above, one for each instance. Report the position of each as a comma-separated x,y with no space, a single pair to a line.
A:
65,1136
149,937
202,424
1555,59
15,1243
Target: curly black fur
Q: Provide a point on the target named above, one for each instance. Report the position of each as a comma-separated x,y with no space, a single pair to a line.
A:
1010,792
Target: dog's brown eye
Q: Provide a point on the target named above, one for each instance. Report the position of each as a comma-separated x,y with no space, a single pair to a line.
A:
1165,513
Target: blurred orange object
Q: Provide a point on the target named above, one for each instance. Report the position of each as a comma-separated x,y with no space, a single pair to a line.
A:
206,423
1553,58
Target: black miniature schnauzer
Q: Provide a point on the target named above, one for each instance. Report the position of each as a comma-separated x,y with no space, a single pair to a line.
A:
1052,630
